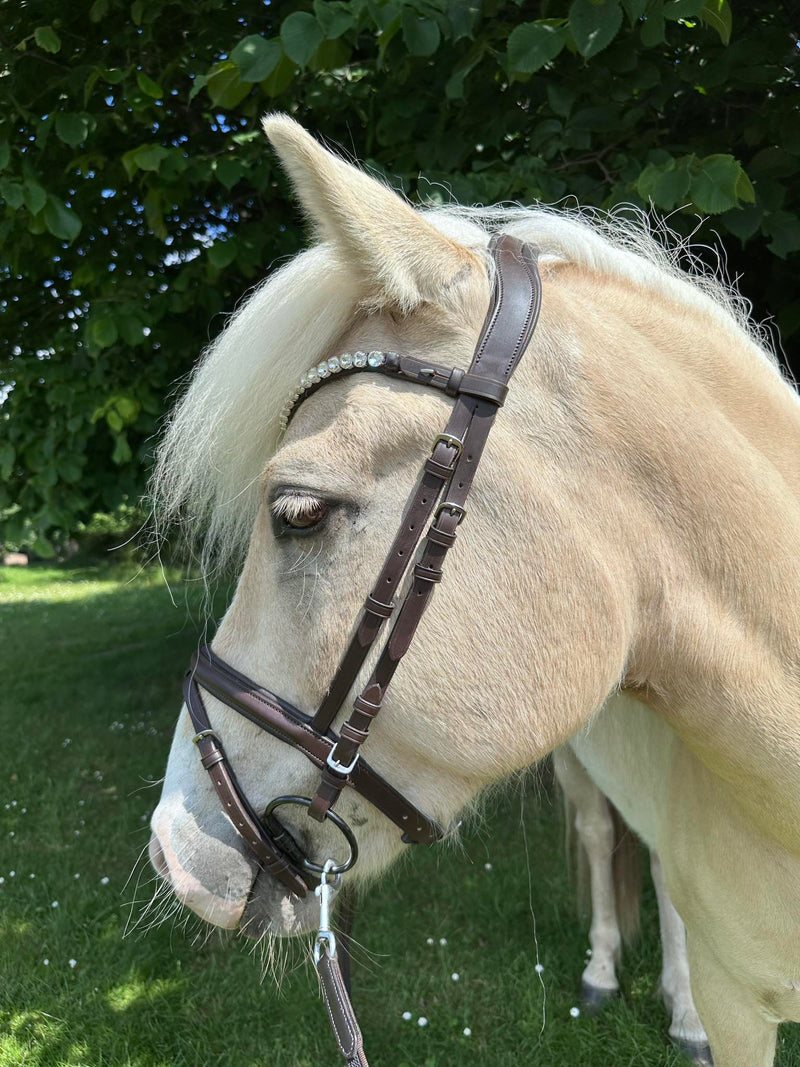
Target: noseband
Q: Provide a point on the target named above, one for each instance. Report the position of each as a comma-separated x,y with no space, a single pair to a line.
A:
428,530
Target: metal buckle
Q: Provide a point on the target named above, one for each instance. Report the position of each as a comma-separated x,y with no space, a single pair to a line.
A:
339,768
454,509
449,439
325,939
204,733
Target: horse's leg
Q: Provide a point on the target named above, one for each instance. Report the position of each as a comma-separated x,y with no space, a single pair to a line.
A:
595,830
738,1032
686,1030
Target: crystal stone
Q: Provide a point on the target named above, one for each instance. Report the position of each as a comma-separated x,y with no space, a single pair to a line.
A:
334,366
360,359
304,381
346,360
313,376
322,370
375,359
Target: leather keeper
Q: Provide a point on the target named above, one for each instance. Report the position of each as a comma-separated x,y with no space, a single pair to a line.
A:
427,574
377,607
441,537
352,733
484,388
212,758
366,707
453,386
438,470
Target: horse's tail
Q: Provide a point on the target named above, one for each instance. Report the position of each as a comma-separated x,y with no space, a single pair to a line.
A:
626,865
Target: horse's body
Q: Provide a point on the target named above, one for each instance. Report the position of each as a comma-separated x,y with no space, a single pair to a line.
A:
634,527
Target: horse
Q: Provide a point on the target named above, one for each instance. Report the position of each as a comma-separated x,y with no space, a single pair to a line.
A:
609,868
626,579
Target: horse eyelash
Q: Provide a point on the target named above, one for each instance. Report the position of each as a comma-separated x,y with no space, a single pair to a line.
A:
292,506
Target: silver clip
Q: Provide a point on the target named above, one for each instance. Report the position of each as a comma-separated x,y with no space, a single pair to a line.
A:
325,938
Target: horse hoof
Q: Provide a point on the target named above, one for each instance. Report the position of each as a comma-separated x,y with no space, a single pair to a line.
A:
696,1051
594,999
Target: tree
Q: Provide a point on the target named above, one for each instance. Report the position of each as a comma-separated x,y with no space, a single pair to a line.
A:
141,200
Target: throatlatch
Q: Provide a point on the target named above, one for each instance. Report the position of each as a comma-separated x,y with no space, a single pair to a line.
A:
439,499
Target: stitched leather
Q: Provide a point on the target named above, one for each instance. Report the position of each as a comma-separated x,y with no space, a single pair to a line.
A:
340,1011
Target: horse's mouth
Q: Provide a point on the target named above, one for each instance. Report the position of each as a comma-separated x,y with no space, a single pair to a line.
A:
271,910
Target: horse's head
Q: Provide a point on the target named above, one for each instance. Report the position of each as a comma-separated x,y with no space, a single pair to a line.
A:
491,681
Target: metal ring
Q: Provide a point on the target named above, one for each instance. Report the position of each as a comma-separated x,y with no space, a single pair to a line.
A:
338,822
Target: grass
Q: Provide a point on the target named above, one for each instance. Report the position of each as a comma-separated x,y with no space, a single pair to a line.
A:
91,662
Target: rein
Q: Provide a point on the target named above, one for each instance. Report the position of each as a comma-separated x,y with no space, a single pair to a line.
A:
439,500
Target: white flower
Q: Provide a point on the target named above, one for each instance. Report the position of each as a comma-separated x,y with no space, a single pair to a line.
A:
10,833
406,1015
539,968
455,976
73,963
574,1012
429,941
2,880
46,963
105,880
11,874
487,866
54,904
422,1021
467,1032
442,940
31,875
76,876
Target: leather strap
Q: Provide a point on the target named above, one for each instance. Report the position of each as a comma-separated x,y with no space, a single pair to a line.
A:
509,324
340,1011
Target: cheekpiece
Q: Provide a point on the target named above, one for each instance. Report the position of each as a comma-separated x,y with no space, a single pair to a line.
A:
347,362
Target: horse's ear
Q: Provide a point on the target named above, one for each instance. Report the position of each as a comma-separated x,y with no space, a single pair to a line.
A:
405,259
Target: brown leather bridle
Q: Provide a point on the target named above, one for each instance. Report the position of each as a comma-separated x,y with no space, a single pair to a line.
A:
438,500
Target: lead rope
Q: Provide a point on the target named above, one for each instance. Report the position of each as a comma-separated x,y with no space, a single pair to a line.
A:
334,988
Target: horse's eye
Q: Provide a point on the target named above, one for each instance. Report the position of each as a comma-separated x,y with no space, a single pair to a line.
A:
301,513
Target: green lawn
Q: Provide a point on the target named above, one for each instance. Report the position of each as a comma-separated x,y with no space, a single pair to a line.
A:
91,667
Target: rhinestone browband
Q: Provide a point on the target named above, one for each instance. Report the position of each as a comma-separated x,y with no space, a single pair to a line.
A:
347,361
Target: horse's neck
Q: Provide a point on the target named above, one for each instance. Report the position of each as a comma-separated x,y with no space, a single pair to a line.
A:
710,439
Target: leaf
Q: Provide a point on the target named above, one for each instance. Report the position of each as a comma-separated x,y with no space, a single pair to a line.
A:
228,171
71,128
12,193
225,87
665,184
128,409
421,35
98,10
652,32
147,157
715,182
718,15
35,196
102,332
148,86
222,253
533,44
198,82
42,547
634,9
594,26
683,9
334,18
281,78
137,12
122,450
744,221
301,36
5,154
785,229
61,220
256,57
47,39
7,457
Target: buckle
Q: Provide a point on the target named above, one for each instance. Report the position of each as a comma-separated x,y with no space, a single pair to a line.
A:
339,768
454,509
204,733
449,439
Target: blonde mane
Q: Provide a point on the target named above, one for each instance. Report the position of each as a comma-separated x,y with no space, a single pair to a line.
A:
225,427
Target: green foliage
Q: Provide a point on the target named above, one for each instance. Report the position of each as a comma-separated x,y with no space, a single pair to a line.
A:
139,199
